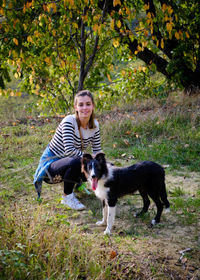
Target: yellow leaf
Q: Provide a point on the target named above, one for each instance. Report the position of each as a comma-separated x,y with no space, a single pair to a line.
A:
109,78
164,7
47,60
54,7
1,11
149,15
75,25
62,79
119,24
62,63
187,34
177,35
15,41
16,76
116,2
85,18
112,24
144,44
24,8
48,7
128,11
29,39
162,43
146,7
181,34
123,72
44,7
144,69
169,26
140,68
95,27
170,10
115,43
54,32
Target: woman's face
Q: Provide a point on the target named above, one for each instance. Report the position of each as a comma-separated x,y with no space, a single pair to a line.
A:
84,107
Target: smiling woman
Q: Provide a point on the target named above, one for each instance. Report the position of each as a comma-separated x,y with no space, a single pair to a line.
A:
62,157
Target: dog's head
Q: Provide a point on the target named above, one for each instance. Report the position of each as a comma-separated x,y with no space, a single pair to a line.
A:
94,168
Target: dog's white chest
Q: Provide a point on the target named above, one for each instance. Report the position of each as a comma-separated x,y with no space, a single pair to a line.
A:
101,191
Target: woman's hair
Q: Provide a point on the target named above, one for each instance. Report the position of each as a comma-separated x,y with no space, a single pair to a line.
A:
91,123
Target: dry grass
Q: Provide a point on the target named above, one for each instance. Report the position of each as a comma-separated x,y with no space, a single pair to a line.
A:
45,240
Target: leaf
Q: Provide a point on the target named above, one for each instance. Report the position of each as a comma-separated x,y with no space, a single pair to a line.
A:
29,39
126,142
146,7
113,254
47,60
119,24
112,24
169,26
187,34
177,35
95,27
15,41
162,44
75,25
109,78
115,43
170,10
116,2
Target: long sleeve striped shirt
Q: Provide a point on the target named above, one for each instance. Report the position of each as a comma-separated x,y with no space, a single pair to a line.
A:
67,141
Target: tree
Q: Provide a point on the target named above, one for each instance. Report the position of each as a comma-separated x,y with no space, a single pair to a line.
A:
165,33
55,45
61,46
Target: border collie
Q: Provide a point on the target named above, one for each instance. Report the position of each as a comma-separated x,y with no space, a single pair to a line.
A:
109,183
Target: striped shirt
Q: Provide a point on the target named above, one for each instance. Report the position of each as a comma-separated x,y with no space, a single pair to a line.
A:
67,141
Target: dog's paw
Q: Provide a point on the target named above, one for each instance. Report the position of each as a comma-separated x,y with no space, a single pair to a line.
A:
101,223
107,232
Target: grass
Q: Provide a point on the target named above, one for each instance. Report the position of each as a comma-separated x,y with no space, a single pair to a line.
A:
45,240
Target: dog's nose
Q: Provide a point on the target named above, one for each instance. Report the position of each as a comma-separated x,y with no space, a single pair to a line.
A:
93,176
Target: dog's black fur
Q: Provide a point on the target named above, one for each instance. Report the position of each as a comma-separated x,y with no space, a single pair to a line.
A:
147,177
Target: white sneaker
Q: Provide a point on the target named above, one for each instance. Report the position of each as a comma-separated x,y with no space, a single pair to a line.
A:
71,201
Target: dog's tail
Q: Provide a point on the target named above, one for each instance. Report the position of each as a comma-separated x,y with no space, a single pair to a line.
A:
163,195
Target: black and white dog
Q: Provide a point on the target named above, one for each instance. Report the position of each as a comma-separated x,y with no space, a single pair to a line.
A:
109,183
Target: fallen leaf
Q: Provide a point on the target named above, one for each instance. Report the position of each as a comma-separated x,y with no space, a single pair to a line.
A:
113,254
184,260
126,142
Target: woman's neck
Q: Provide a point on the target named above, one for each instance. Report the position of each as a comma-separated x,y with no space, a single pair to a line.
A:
84,123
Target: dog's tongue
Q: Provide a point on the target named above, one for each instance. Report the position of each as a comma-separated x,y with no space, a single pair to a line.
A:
94,183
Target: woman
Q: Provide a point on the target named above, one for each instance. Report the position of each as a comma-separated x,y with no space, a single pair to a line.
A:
61,159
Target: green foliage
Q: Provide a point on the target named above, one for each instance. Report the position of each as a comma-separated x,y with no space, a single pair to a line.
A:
58,48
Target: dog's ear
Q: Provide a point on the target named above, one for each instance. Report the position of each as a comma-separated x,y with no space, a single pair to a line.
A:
100,157
86,158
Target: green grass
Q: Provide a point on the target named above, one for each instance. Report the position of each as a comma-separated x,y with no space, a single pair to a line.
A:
45,240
